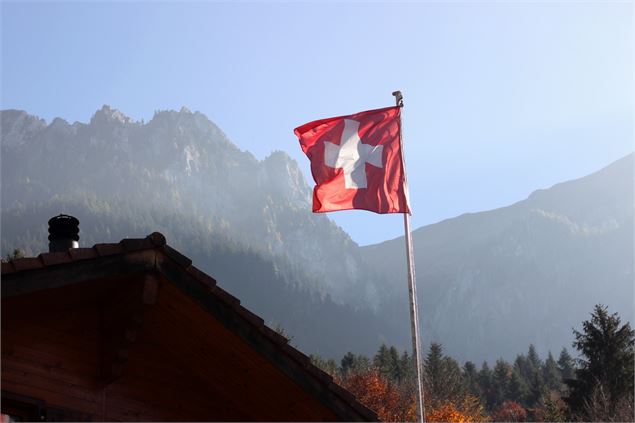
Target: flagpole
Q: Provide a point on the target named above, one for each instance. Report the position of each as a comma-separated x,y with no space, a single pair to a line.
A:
412,283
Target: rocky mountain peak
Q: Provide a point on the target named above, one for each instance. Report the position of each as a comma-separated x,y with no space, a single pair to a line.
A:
489,283
285,177
108,115
17,126
182,164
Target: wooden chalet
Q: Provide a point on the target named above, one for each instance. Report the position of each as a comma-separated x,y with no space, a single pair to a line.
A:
133,332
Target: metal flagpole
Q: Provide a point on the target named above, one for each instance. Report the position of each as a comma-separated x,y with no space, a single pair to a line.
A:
412,283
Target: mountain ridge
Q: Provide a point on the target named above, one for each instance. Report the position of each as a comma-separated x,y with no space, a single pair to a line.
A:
183,161
573,240
249,223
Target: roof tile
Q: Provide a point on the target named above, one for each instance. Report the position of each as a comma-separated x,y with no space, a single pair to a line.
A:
50,259
107,249
157,239
320,374
27,263
226,297
251,317
177,257
297,355
82,253
201,276
273,335
364,410
7,267
135,244
347,395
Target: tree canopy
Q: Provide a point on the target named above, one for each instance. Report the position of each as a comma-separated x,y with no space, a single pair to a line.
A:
604,377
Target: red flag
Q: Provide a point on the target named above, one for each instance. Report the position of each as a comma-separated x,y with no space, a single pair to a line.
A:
356,161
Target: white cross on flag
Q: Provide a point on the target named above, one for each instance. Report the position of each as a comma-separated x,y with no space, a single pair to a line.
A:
356,161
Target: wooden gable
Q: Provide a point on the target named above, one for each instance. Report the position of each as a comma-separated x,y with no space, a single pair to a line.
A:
135,333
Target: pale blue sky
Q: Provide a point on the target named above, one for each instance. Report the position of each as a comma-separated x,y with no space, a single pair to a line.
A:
502,98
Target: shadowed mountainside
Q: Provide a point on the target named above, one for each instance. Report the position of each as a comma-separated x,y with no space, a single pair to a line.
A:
490,283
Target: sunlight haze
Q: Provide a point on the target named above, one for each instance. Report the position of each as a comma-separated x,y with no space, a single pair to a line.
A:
501,98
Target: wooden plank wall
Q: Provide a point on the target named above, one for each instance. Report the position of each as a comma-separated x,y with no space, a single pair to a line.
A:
182,366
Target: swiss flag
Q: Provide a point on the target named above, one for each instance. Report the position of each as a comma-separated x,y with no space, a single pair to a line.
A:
356,161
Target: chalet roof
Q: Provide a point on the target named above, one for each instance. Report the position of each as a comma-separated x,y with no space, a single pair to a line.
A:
52,270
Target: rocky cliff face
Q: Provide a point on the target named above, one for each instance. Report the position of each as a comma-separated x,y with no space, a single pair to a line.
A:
179,162
490,283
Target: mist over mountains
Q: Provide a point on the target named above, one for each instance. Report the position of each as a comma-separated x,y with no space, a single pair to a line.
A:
526,273
490,283
246,222
179,163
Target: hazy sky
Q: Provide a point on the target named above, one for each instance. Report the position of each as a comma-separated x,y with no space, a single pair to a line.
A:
502,98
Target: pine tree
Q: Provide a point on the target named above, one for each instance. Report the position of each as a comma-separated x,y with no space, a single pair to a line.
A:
485,383
535,364
537,389
361,364
566,365
470,379
433,368
500,381
522,366
454,387
406,366
347,363
393,365
517,389
329,366
354,364
382,361
443,376
551,374
605,372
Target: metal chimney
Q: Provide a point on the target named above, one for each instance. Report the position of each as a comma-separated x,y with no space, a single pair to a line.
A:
63,233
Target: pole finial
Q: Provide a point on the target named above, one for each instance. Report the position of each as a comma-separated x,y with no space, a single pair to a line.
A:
398,98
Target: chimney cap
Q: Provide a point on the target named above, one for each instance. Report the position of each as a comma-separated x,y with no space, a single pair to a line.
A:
64,219
63,227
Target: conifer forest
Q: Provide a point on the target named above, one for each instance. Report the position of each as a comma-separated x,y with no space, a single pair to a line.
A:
596,386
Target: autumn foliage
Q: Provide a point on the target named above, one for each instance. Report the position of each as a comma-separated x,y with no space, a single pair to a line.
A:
391,402
468,409
529,389
509,411
447,413
394,402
